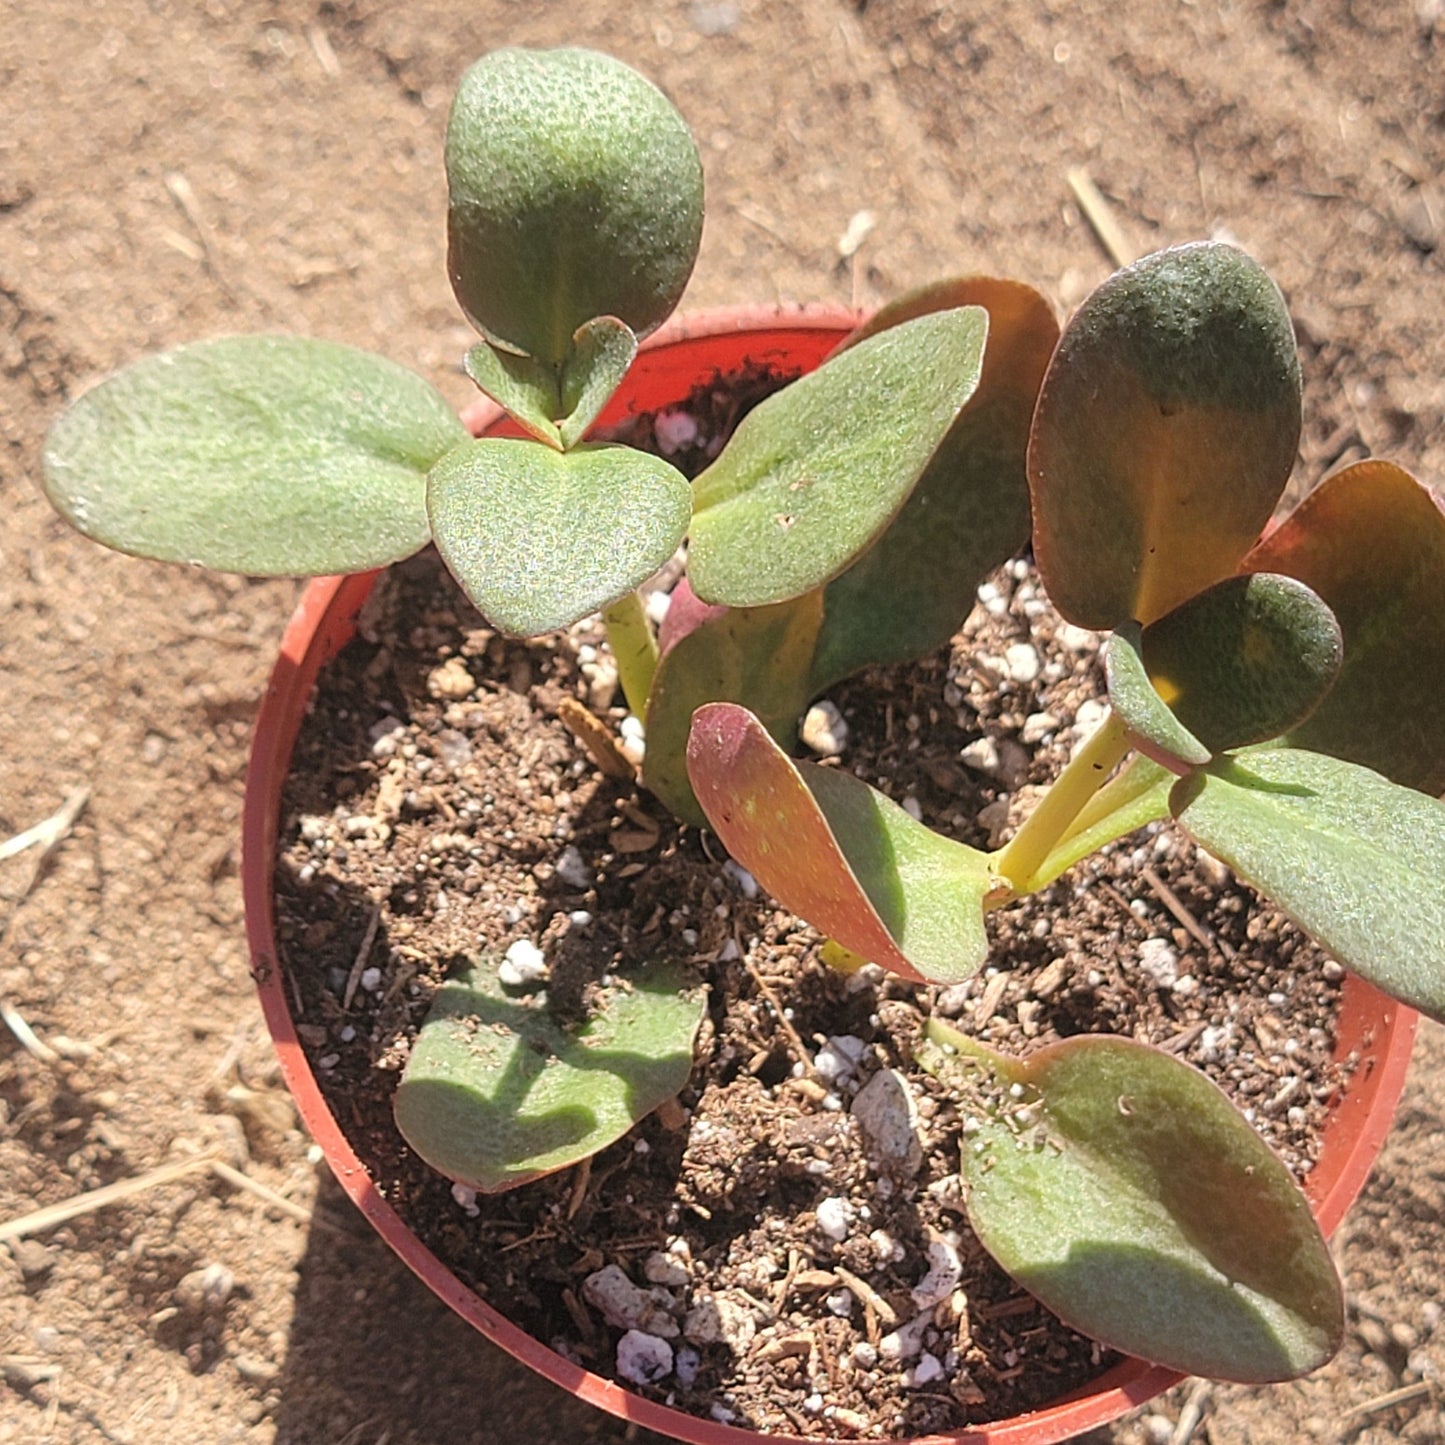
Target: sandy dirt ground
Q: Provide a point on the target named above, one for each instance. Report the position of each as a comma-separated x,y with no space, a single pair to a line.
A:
171,170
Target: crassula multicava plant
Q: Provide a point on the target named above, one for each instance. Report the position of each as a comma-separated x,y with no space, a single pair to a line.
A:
1270,691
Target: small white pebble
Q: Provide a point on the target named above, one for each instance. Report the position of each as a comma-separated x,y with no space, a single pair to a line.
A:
664,1269
467,1199
657,606
686,1364
1160,961
913,808
371,979
643,1359
824,729
835,1215
1037,726
674,430
746,884
522,965
1023,662
573,870
865,1356
928,1369
1087,720
579,918
840,1303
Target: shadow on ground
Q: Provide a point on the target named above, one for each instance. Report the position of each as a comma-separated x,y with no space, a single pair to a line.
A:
374,1359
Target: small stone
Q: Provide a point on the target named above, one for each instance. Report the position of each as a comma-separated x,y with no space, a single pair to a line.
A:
928,1369
907,1340
945,1269
1077,639
674,430
627,1307
256,1369
838,1058
686,1365
573,870
834,1218
993,819
1037,726
451,681
205,1290
824,729
721,1319
1022,661
34,1260
664,1269
888,1116
643,1359
466,1198
840,1303
1090,716
523,965
865,1356
1160,961
747,885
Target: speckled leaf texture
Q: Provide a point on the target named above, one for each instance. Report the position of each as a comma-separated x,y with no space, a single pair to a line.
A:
575,192
813,475
497,1093
1355,859
268,455
1165,432
1124,1190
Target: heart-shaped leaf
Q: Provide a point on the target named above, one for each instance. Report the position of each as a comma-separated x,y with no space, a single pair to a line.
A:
814,474
1124,1190
839,853
602,351
1353,858
496,1093
1164,435
1152,726
575,192
1245,660
756,656
525,388
911,590
1371,541
269,455
538,538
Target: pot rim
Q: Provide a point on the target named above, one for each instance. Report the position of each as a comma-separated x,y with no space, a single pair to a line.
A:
1381,1029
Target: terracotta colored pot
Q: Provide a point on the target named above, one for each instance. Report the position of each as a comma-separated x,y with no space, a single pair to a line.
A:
681,356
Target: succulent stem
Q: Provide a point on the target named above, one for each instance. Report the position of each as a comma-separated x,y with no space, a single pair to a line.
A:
629,634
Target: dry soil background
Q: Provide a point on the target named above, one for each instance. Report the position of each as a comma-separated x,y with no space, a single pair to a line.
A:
171,170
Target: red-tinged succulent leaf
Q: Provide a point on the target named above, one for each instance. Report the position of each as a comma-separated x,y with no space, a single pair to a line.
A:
1164,434
911,590
839,853
497,1092
1351,857
1245,660
1123,1189
686,612
813,475
1371,541
757,656
1153,727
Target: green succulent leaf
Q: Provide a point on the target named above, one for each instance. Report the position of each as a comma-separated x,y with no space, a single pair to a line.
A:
539,538
1134,697
269,455
756,656
814,474
1371,541
496,1093
575,192
1245,660
601,353
911,590
1165,432
525,388
1124,1190
839,853
1351,857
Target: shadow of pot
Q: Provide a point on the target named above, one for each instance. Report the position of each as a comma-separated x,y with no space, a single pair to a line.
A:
1373,1028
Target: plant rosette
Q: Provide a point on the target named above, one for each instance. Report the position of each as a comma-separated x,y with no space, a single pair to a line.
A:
1373,1032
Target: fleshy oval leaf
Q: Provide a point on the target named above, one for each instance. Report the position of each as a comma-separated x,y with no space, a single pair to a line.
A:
1352,857
539,538
1164,435
911,590
268,455
814,474
497,1093
602,351
1123,1189
1245,660
575,192
1153,727
839,853
1371,541
525,388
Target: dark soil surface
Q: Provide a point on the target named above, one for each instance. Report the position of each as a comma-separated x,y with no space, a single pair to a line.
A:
172,170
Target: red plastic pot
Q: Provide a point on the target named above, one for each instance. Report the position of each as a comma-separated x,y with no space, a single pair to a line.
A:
1373,1027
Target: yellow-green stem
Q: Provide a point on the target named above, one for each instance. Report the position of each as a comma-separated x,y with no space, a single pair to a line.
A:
1087,771
629,634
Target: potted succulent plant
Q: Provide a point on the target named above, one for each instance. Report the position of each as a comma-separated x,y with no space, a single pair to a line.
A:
1274,691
